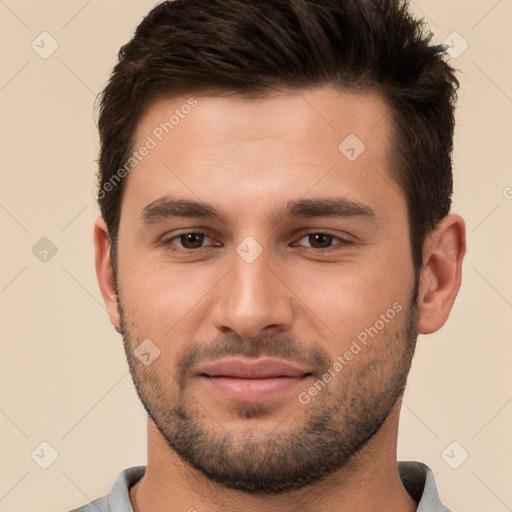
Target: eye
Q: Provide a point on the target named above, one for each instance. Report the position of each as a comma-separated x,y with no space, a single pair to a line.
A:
190,241
186,241
322,241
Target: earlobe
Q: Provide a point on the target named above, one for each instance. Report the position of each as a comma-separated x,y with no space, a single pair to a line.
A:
441,273
104,271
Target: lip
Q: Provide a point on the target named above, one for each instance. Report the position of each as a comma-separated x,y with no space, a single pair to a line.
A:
251,381
251,369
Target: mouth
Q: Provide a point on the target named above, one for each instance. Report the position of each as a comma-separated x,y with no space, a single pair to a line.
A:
252,380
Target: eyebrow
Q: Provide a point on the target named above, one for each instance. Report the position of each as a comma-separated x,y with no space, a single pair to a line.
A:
338,207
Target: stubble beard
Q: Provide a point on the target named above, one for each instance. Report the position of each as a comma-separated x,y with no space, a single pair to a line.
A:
328,432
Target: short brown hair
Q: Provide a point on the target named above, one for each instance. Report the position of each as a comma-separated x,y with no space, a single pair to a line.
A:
252,48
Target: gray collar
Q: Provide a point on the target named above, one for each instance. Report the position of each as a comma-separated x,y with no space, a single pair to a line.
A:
416,477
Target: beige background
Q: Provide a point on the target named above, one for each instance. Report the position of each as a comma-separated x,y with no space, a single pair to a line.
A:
64,379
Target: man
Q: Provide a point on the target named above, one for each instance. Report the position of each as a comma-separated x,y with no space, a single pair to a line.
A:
275,187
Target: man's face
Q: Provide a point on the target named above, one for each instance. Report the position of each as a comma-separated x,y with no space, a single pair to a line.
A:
331,292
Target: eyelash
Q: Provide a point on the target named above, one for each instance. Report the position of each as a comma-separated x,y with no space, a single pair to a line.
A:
167,243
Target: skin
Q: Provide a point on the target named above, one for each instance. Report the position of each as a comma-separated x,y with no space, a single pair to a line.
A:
247,158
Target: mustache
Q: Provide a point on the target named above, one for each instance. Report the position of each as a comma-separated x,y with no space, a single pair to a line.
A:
283,347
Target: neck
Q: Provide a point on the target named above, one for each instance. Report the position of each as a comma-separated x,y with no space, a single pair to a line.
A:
369,482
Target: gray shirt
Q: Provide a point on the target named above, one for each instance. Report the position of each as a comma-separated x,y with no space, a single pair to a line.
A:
417,478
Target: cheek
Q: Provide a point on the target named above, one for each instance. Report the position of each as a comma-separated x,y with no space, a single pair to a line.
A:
162,299
352,297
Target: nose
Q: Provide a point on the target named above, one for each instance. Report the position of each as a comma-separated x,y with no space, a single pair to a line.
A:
253,299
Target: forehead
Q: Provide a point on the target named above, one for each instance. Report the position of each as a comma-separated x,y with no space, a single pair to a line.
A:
288,116
259,151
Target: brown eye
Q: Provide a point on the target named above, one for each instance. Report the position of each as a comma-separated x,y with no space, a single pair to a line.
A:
191,240
321,241
186,242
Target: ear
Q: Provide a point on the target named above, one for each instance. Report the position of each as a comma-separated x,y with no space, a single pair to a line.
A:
105,273
441,273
